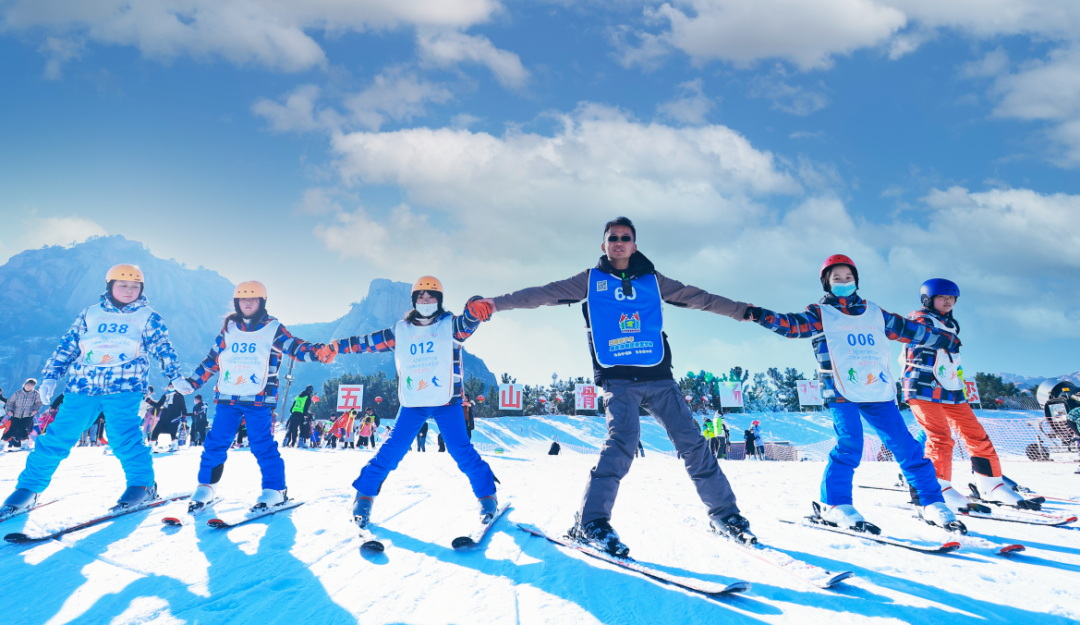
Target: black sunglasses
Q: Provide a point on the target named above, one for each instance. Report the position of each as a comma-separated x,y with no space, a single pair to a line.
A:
626,238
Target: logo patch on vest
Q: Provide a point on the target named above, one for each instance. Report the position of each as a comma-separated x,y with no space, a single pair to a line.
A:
630,324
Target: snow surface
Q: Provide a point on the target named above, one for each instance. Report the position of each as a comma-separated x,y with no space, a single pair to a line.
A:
304,566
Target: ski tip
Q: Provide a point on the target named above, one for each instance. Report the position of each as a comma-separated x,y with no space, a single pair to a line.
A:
1071,519
216,523
839,577
374,546
462,542
17,538
169,520
735,588
951,546
1007,549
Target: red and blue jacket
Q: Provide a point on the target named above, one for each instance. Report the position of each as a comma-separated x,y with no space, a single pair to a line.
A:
807,325
918,379
383,341
284,343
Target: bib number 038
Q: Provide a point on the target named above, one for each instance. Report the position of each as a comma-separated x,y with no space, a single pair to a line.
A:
107,328
860,339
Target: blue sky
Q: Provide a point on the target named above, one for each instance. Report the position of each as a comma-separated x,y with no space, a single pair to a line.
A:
318,146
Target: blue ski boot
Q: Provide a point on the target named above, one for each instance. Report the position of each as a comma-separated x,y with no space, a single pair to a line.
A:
135,496
362,510
18,502
488,507
600,535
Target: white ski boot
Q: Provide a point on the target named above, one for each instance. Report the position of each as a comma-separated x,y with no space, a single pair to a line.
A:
940,515
954,498
174,446
994,489
270,498
18,502
201,498
844,516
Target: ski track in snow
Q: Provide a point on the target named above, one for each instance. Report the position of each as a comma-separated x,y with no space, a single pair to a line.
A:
305,565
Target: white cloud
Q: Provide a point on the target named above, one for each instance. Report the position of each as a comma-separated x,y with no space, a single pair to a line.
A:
396,94
446,48
296,112
59,51
793,99
36,232
992,64
690,106
271,33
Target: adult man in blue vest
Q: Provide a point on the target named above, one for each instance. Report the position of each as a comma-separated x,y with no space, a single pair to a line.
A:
622,299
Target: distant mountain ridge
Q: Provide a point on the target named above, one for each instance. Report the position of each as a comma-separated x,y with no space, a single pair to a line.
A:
1025,382
43,290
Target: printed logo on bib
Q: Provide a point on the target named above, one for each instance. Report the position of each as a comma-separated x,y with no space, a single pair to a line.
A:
629,325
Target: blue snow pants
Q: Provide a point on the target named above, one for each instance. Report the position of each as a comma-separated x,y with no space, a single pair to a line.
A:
123,427
451,422
885,418
260,438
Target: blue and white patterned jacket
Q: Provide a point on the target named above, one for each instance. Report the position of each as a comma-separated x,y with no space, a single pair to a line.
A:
126,378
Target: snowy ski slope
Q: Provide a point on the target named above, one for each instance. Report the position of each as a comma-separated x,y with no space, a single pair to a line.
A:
305,566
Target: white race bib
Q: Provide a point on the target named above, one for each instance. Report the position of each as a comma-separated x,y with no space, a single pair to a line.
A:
425,362
946,366
859,351
245,361
112,338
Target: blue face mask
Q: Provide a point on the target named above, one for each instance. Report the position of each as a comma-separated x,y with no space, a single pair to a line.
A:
843,290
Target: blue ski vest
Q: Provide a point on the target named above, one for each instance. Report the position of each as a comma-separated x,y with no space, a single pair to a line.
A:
626,331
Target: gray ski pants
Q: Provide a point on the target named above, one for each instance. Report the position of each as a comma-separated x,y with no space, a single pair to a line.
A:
664,401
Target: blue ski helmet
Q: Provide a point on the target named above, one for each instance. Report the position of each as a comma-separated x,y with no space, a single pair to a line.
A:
937,286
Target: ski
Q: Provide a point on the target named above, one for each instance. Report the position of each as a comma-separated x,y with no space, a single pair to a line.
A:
802,571
177,521
478,534
251,515
371,542
947,547
1025,516
24,538
694,585
969,541
27,511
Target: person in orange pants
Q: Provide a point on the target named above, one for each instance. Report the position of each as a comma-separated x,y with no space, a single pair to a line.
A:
933,385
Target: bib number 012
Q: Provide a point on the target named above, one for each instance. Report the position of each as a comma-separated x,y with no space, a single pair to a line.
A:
421,348
860,339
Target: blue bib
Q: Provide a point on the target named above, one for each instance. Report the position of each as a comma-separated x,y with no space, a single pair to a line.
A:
626,330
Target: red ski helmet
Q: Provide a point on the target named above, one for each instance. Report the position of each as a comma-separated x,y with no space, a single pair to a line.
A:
830,262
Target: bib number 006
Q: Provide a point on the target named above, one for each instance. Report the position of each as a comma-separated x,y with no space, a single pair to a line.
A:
860,339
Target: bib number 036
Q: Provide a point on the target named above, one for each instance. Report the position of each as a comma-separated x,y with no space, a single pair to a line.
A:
421,348
860,339
243,348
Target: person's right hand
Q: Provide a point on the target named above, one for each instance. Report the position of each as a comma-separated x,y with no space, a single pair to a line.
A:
45,390
490,302
479,308
753,313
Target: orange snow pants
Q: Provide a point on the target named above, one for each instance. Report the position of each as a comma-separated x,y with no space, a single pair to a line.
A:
936,419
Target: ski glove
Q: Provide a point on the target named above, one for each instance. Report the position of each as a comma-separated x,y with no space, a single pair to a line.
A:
327,353
478,309
46,390
753,313
182,386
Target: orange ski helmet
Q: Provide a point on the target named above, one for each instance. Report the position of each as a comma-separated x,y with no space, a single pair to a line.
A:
251,288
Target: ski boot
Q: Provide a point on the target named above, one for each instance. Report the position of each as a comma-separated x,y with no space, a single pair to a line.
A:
733,526
201,498
994,489
954,499
600,535
940,515
488,507
270,498
135,496
844,516
18,502
174,446
362,510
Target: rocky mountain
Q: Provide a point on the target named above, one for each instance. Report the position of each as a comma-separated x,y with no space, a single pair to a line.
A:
42,291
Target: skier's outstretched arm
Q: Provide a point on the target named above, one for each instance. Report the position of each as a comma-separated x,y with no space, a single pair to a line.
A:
208,368
569,291
686,296
155,338
905,330
380,341
802,325
297,348
469,320
66,352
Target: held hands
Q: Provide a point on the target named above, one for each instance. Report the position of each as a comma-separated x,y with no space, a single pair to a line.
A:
182,386
480,308
327,353
753,313
46,390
